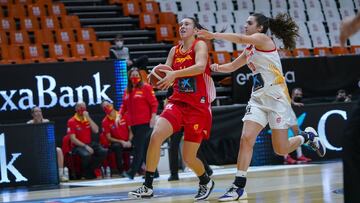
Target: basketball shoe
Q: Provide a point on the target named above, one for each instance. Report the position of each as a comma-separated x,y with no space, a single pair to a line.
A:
204,191
141,192
233,193
315,142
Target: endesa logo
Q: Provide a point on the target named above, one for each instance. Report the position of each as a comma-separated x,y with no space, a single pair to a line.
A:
243,78
46,87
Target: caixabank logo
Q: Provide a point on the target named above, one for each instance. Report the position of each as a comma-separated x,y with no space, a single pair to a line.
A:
6,166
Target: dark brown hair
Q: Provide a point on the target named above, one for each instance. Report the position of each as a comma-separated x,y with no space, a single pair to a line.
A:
282,26
130,85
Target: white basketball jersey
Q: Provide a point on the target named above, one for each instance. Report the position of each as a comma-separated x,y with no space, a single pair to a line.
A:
266,70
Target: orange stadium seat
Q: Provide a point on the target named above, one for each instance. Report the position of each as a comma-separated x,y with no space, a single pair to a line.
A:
99,50
33,53
44,36
57,9
164,32
81,51
25,2
339,51
221,57
3,38
44,2
7,24
322,51
19,37
70,22
131,8
150,7
60,52
49,22
29,23
86,35
15,55
4,54
36,10
301,52
16,10
355,49
147,20
64,36
1,12
284,53
167,18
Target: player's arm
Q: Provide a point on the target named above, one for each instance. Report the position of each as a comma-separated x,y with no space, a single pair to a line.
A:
170,56
111,139
201,58
239,62
76,141
259,40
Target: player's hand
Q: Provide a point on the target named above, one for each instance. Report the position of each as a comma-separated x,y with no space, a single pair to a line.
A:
89,149
126,144
118,119
205,34
167,81
86,114
214,67
152,121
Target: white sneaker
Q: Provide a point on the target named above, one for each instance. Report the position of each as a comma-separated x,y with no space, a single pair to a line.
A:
141,192
204,191
316,144
233,193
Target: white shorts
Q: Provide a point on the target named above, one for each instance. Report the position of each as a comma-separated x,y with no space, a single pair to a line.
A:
293,119
273,107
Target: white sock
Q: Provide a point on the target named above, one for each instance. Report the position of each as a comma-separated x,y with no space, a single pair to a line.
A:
299,152
61,171
302,139
241,173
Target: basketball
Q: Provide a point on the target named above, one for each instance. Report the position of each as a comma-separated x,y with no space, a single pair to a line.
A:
156,74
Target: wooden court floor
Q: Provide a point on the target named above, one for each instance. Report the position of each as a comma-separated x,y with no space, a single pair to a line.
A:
280,184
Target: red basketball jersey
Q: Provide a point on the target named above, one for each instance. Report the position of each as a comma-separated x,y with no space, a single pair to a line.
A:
197,89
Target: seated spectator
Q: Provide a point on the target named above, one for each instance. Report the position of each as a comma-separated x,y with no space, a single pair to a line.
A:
79,129
37,118
122,52
118,135
296,97
342,97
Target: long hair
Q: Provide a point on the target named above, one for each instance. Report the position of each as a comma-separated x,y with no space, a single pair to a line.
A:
282,26
130,85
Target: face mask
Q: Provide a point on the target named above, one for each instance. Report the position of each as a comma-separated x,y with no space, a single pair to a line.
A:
119,44
135,80
108,109
341,99
297,99
80,111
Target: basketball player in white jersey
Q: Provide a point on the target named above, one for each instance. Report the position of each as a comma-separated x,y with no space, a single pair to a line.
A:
270,100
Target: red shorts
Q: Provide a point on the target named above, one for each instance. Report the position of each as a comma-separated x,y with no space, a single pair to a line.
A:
196,121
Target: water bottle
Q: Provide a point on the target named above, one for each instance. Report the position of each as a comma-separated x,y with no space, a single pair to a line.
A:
108,172
103,174
66,173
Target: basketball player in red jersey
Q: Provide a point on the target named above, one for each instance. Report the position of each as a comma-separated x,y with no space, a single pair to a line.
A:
188,108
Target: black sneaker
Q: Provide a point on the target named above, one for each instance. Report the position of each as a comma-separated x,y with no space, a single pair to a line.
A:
204,191
141,192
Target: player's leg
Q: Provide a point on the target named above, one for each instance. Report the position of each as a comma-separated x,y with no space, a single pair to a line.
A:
162,130
248,137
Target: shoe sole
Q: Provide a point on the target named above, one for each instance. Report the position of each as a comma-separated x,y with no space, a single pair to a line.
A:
312,130
204,198
135,196
243,197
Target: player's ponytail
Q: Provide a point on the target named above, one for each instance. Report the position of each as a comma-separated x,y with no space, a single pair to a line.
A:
282,26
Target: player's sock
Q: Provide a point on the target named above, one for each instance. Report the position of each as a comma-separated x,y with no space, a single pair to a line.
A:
204,179
149,177
240,179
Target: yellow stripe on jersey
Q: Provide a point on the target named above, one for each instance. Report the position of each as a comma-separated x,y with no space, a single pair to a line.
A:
279,78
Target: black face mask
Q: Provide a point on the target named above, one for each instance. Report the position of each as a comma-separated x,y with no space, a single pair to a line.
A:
297,99
341,99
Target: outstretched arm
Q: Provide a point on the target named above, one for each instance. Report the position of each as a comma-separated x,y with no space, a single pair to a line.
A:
349,27
239,62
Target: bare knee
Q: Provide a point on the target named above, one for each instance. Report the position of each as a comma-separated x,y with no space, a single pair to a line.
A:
156,137
247,141
189,160
281,151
